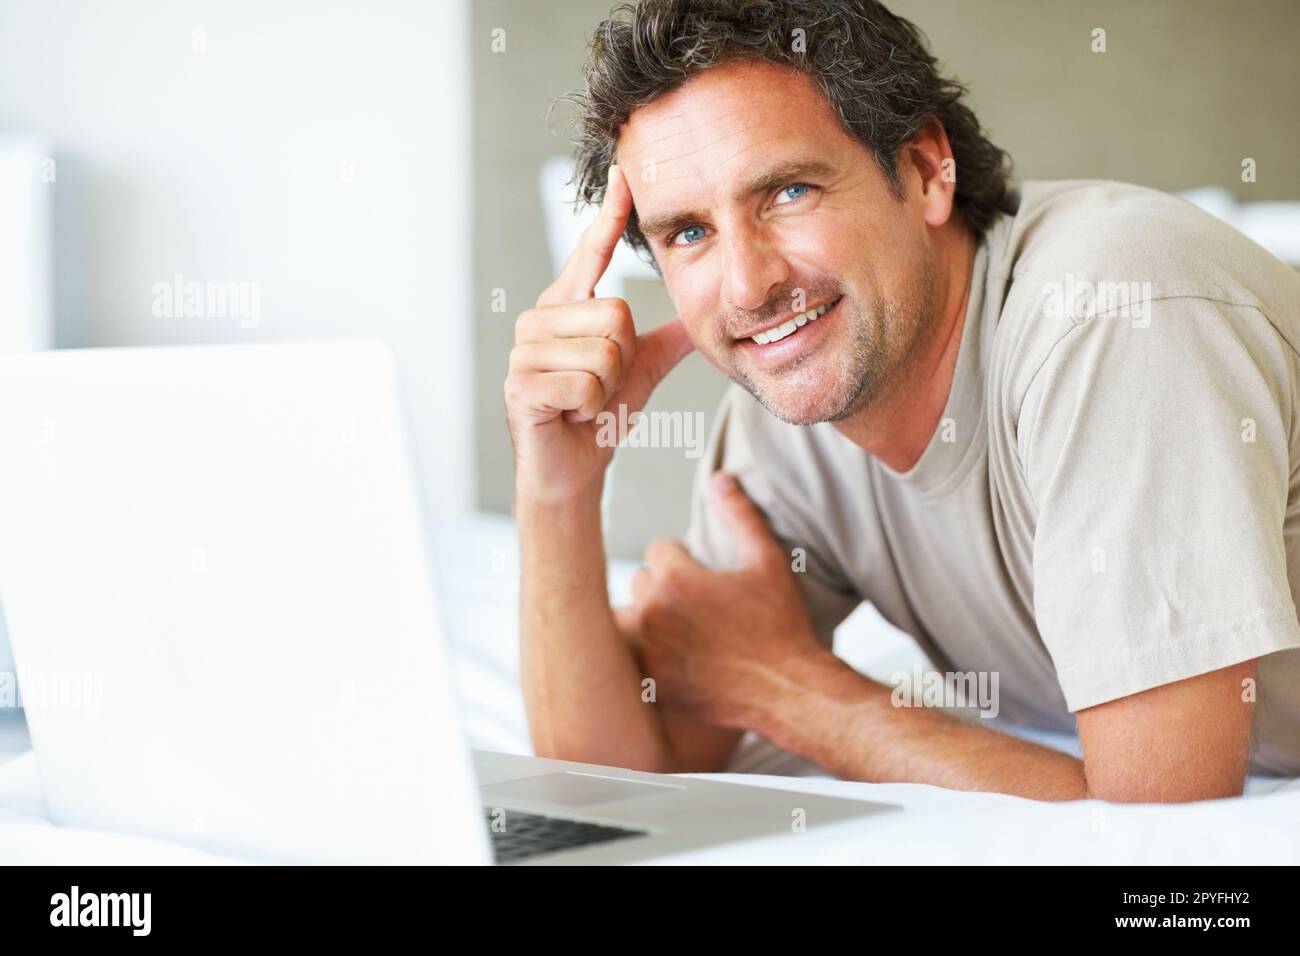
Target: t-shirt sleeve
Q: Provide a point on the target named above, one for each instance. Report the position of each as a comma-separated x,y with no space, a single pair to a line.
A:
1156,450
737,446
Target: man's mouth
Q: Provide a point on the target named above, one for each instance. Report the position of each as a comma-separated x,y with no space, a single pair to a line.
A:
790,326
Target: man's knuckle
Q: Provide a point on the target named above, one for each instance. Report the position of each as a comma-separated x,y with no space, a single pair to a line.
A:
591,389
517,389
519,355
609,354
528,324
614,312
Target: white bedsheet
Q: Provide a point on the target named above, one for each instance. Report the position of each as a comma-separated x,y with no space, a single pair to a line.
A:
939,826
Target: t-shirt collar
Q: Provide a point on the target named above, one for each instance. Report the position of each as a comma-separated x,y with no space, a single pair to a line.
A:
960,433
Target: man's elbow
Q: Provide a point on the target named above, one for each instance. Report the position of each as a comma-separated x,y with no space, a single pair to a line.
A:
1174,788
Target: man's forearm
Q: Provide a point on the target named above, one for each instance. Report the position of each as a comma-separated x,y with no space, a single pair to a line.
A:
823,710
581,685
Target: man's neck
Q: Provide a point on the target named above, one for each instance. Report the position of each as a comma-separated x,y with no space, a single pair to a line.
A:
897,426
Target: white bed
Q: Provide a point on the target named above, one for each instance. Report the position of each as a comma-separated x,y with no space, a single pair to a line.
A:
478,567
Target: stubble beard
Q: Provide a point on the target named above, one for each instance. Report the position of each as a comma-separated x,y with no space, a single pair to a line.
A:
882,339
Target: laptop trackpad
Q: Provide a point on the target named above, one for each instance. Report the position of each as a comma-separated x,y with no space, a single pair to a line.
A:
569,788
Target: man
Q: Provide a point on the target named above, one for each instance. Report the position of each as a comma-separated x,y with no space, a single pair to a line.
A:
1051,435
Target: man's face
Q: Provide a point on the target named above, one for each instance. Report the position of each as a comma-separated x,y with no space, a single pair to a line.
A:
759,208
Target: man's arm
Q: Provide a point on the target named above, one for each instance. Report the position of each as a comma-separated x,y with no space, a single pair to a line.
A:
1183,741
736,648
581,687
575,357
582,682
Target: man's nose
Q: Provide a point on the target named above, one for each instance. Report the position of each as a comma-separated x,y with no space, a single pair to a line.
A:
752,268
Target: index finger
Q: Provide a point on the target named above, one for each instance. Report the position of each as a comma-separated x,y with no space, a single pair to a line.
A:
578,278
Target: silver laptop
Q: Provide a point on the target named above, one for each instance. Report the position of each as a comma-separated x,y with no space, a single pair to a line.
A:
218,588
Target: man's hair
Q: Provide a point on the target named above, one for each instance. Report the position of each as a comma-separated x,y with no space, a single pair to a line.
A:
873,67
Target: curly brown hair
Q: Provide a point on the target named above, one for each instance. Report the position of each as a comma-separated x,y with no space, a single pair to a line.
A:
873,67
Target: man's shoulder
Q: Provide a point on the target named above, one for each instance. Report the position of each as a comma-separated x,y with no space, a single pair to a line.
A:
1079,253
1099,231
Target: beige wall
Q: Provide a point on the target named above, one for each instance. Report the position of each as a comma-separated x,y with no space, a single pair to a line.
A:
1185,91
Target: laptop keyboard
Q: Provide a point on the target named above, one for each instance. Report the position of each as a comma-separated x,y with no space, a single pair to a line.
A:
529,834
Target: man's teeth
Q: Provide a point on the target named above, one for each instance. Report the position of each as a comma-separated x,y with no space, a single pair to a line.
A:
785,328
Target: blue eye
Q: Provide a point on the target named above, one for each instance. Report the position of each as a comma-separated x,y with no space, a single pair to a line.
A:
790,193
691,234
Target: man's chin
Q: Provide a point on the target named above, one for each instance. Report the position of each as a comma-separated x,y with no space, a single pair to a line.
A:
796,406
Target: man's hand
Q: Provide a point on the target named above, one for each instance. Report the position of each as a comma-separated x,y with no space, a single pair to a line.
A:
576,356
718,642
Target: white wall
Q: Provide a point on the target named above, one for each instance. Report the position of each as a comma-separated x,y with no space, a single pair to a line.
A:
318,149
26,309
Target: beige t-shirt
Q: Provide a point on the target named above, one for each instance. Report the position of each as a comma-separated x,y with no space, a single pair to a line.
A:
1111,501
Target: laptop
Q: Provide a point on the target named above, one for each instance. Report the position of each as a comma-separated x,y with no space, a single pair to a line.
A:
220,596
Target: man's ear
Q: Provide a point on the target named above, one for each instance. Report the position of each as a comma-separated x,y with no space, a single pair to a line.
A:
927,163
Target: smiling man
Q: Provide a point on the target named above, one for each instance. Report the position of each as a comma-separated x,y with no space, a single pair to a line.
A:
1050,432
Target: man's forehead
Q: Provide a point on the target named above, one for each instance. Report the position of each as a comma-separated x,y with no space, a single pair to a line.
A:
718,130
717,118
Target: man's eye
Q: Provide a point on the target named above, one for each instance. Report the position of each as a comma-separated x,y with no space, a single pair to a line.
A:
689,236
789,194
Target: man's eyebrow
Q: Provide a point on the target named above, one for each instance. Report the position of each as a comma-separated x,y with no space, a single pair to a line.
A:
783,174
667,224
